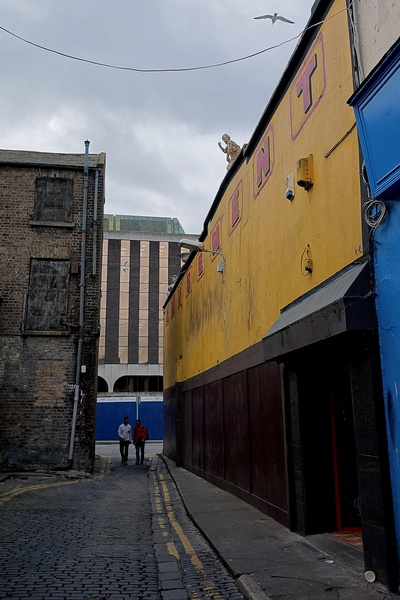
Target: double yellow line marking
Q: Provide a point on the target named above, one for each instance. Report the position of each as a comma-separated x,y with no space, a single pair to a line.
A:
41,486
161,490
105,469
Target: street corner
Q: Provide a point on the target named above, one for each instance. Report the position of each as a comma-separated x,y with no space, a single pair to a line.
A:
16,484
12,484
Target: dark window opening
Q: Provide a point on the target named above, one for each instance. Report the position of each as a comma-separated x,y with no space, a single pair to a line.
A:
137,384
53,201
102,386
155,384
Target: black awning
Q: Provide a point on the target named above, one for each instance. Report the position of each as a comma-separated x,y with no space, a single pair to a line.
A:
342,303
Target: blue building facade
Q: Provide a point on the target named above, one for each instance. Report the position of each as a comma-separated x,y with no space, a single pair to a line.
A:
376,106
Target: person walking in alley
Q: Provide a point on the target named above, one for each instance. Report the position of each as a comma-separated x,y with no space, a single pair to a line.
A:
140,435
125,438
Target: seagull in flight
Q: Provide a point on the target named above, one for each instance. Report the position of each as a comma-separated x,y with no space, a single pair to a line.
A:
274,17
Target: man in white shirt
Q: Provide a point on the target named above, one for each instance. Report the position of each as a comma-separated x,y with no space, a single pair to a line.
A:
125,438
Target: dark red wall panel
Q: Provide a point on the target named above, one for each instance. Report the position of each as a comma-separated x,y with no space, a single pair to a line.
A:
198,428
169,417
214,430
185,429
237,447
267,434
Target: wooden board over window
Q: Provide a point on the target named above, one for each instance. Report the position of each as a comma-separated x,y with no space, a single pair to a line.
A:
53,200
47,300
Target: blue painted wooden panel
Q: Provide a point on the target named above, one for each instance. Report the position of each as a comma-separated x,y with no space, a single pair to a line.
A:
387,270
111,414
376,107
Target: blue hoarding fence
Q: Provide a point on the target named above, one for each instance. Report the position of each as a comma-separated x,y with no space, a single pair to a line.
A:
112,410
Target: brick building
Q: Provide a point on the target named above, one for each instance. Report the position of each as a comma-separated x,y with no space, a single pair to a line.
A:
51,209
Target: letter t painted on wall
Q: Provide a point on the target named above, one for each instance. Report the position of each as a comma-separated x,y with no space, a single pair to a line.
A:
304,84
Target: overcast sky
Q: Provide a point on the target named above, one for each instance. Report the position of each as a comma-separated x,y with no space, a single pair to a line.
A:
160,130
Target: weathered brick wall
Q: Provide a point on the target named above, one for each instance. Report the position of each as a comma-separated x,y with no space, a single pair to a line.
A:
38,372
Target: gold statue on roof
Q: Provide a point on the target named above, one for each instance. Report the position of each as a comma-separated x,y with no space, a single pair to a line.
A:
232,149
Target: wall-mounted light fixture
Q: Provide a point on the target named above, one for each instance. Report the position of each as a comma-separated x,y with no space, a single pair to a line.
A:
196,246
304,170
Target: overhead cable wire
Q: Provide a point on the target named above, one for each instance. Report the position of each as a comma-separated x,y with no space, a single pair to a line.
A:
137,70
172,70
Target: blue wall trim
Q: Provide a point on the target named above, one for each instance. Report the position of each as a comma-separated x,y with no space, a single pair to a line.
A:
376,107
387,282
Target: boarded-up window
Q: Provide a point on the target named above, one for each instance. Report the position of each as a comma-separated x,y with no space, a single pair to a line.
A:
47,299
53,202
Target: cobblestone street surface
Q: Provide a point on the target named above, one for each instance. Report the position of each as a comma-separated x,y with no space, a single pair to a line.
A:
122,534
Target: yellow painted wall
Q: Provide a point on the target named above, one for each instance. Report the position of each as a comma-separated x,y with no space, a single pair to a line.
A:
264,251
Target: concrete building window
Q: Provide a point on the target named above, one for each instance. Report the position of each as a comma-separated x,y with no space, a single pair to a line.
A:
53,200
124,303
47,296
102,386
103,304
163,293
135,384
144,302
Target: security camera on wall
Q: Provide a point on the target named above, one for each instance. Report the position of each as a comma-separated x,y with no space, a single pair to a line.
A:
290,187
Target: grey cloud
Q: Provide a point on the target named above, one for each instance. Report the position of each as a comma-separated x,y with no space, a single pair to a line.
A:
52,103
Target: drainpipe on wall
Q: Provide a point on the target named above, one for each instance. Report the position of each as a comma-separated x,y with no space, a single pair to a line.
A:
81,299
96,193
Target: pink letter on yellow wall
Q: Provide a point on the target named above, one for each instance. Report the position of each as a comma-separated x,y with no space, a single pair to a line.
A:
188,283
180,295
308,87
235,207
263,162
216,237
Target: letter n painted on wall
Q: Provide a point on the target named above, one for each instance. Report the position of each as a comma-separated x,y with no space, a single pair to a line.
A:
308,87
216,237
263,161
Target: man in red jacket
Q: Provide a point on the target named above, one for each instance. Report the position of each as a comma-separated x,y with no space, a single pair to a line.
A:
140,435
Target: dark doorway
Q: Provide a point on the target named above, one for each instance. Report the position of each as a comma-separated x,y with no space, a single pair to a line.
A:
324,488
347,502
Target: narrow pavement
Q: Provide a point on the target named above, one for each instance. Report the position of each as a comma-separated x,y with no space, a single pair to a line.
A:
267,560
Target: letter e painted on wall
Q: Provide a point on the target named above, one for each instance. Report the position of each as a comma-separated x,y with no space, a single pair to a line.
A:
308,87
235,207
263,161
